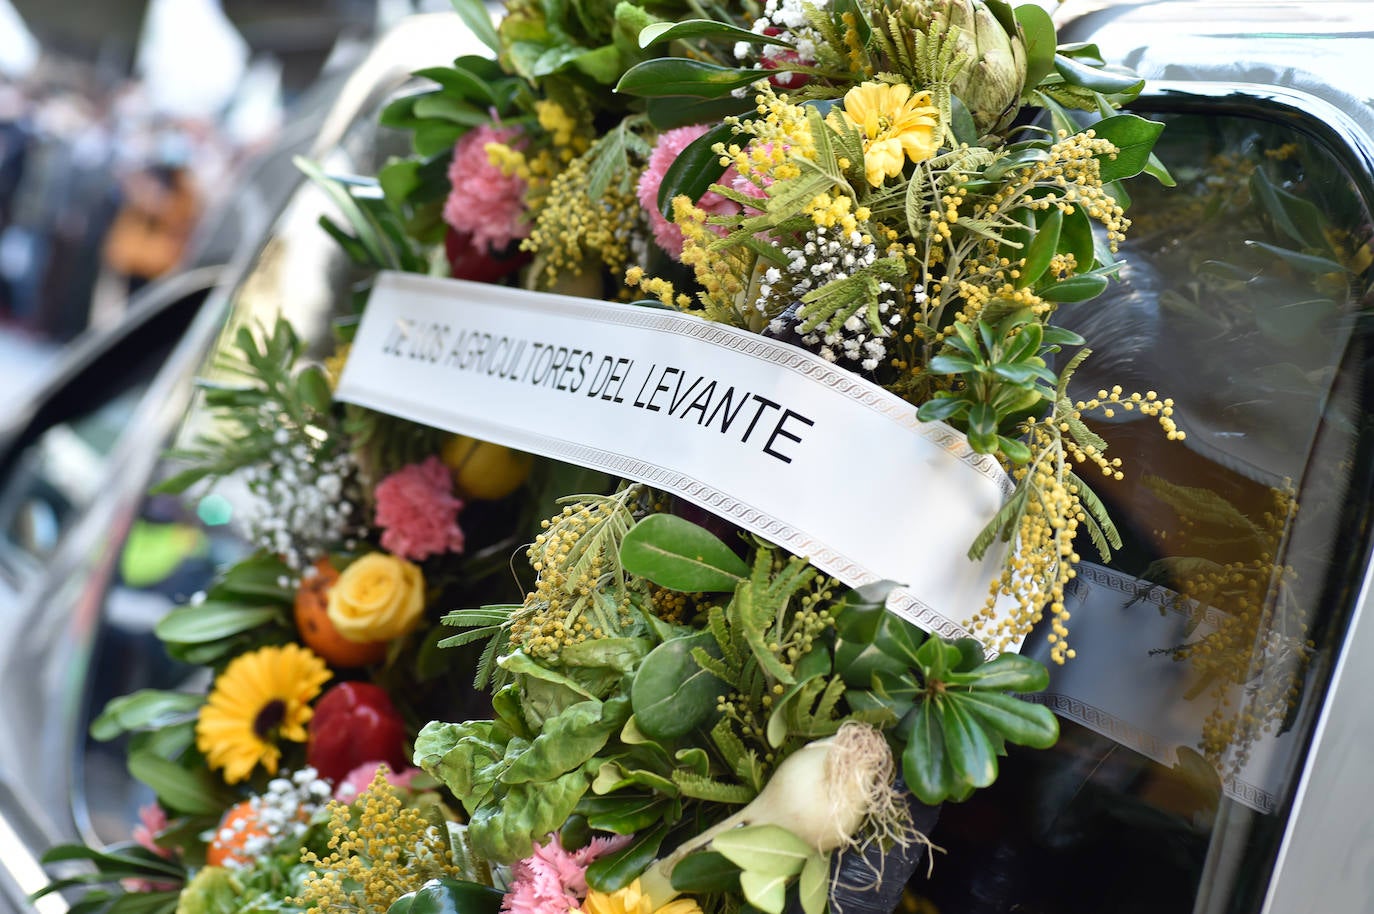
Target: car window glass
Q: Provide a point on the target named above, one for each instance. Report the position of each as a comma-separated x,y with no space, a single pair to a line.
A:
1204,646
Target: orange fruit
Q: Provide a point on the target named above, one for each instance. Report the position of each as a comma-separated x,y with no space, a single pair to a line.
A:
238,825
484,470
319,633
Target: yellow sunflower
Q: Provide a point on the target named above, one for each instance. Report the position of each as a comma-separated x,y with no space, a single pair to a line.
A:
261,697
896,127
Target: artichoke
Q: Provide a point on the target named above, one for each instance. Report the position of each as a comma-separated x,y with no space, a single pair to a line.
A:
987,37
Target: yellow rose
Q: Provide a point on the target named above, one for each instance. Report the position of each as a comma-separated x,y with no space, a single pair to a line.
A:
377,598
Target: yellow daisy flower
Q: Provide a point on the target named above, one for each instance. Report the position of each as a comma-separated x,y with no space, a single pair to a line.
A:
261,697
634,900
896,127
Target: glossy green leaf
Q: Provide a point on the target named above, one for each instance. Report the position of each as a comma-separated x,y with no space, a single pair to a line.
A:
768,893
1303,263
477,17
677,554
192,792
212,621
624,812
462,83
961,122
445,895
970,752
1075,288
763,849
454,110
671,693
705,871
144,709
1076,238
937,658
941,409
1018,721
813,888
1134,138
1037,33
255,579
704,28
923,759
1096,80
680,76
1042,248
898,638
618,869
681,111
694,170
1007,673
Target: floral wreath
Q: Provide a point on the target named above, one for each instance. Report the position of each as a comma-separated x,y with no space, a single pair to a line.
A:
668,715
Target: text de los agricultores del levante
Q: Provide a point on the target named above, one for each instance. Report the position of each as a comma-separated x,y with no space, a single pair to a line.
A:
684,394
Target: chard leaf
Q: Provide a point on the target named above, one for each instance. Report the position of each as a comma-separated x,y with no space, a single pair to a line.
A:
568,740
504,831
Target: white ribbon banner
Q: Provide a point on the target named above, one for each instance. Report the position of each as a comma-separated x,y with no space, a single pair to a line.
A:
772,438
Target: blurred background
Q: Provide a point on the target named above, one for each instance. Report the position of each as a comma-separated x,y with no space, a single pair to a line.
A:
122,124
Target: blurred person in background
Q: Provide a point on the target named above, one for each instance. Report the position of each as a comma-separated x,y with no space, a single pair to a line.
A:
161,204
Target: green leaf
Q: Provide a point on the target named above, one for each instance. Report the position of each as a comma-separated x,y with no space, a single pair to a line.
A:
192,792
681,111
705,871
671,693
465,84
1076,238
617,870
813,888
1043,246
1134,138
694,170
765,892
624,812
476,17
212,621
923,759
763,849
1304,263
254,579
941,409
1075,288
505,831
1097,80
704,28
970,752
144,709
568,739
675,553
1037,33
1007,673
680,76
1020,722
961,122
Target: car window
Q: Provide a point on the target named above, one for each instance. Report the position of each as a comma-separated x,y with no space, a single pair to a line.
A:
1204,647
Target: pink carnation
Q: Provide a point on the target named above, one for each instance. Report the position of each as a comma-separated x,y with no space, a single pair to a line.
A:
360,778
552,880
485,203
417,511
669,146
